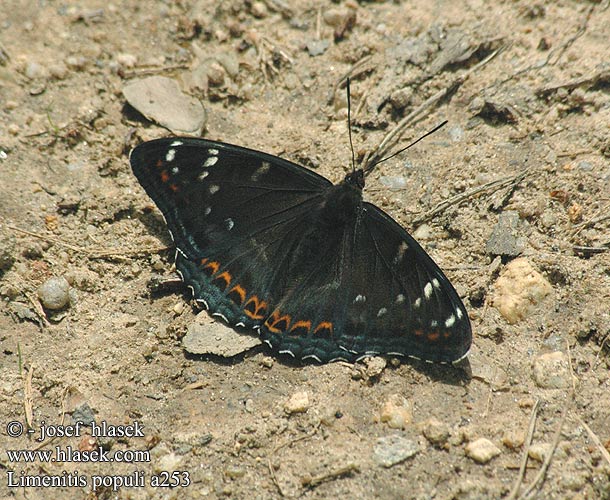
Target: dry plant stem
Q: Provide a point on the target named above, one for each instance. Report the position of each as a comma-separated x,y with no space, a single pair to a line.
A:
558,51
595,440
92,254
539,479
526,448
459,198
28,400
312,482
390,139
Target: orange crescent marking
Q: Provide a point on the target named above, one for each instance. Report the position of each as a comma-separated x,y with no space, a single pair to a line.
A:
164,176
224,276
274,319
159,163
433,336
447,334
174,188
203,261
258,306
301,324
324,325
239,290
419,333
213,266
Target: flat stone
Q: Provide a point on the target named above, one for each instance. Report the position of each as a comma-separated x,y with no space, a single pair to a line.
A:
506,238
206,336
160,100
392,450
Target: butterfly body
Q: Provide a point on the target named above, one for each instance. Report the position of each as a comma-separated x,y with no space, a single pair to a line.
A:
321,274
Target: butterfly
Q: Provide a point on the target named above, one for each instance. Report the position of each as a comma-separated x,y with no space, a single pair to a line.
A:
269,245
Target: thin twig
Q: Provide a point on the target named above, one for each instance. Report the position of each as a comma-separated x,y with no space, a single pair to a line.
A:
93,254
28,400
526,449
557,51
312,482
392,137
459,198
595,439
537,482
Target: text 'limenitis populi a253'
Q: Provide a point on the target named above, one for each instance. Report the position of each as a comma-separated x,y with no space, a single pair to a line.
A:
269,245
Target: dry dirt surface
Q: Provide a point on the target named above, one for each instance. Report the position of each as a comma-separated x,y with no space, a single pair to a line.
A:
511,198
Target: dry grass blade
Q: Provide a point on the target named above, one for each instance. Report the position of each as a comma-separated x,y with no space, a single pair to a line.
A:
392,137
526,449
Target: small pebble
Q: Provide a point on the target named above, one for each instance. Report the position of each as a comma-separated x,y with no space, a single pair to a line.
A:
482,450
7,249
54,293
58,71
374,366
513,439
34,70
396,412
551,370
127,60
234,471
518,290
259,10
539,451
76,63
169,462
298,403
267,361
435,431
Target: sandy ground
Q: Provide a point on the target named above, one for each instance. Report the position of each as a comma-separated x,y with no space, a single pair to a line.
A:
536,115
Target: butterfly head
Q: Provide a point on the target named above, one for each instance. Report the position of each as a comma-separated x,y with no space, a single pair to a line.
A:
356,179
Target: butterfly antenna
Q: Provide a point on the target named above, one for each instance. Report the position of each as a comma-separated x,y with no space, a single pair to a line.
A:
373,165
349,125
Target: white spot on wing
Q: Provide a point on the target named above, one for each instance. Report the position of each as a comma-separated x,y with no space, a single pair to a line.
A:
360,299
381,312
428,290
220,315
400,298
205,304
176,143
458,311
436,284
171,154
207,210
312,356
433,323
260,171
450,321
210,161
203,175
213,152
417,303
402,248
240,323
175,170
286,352
214,188
229,223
